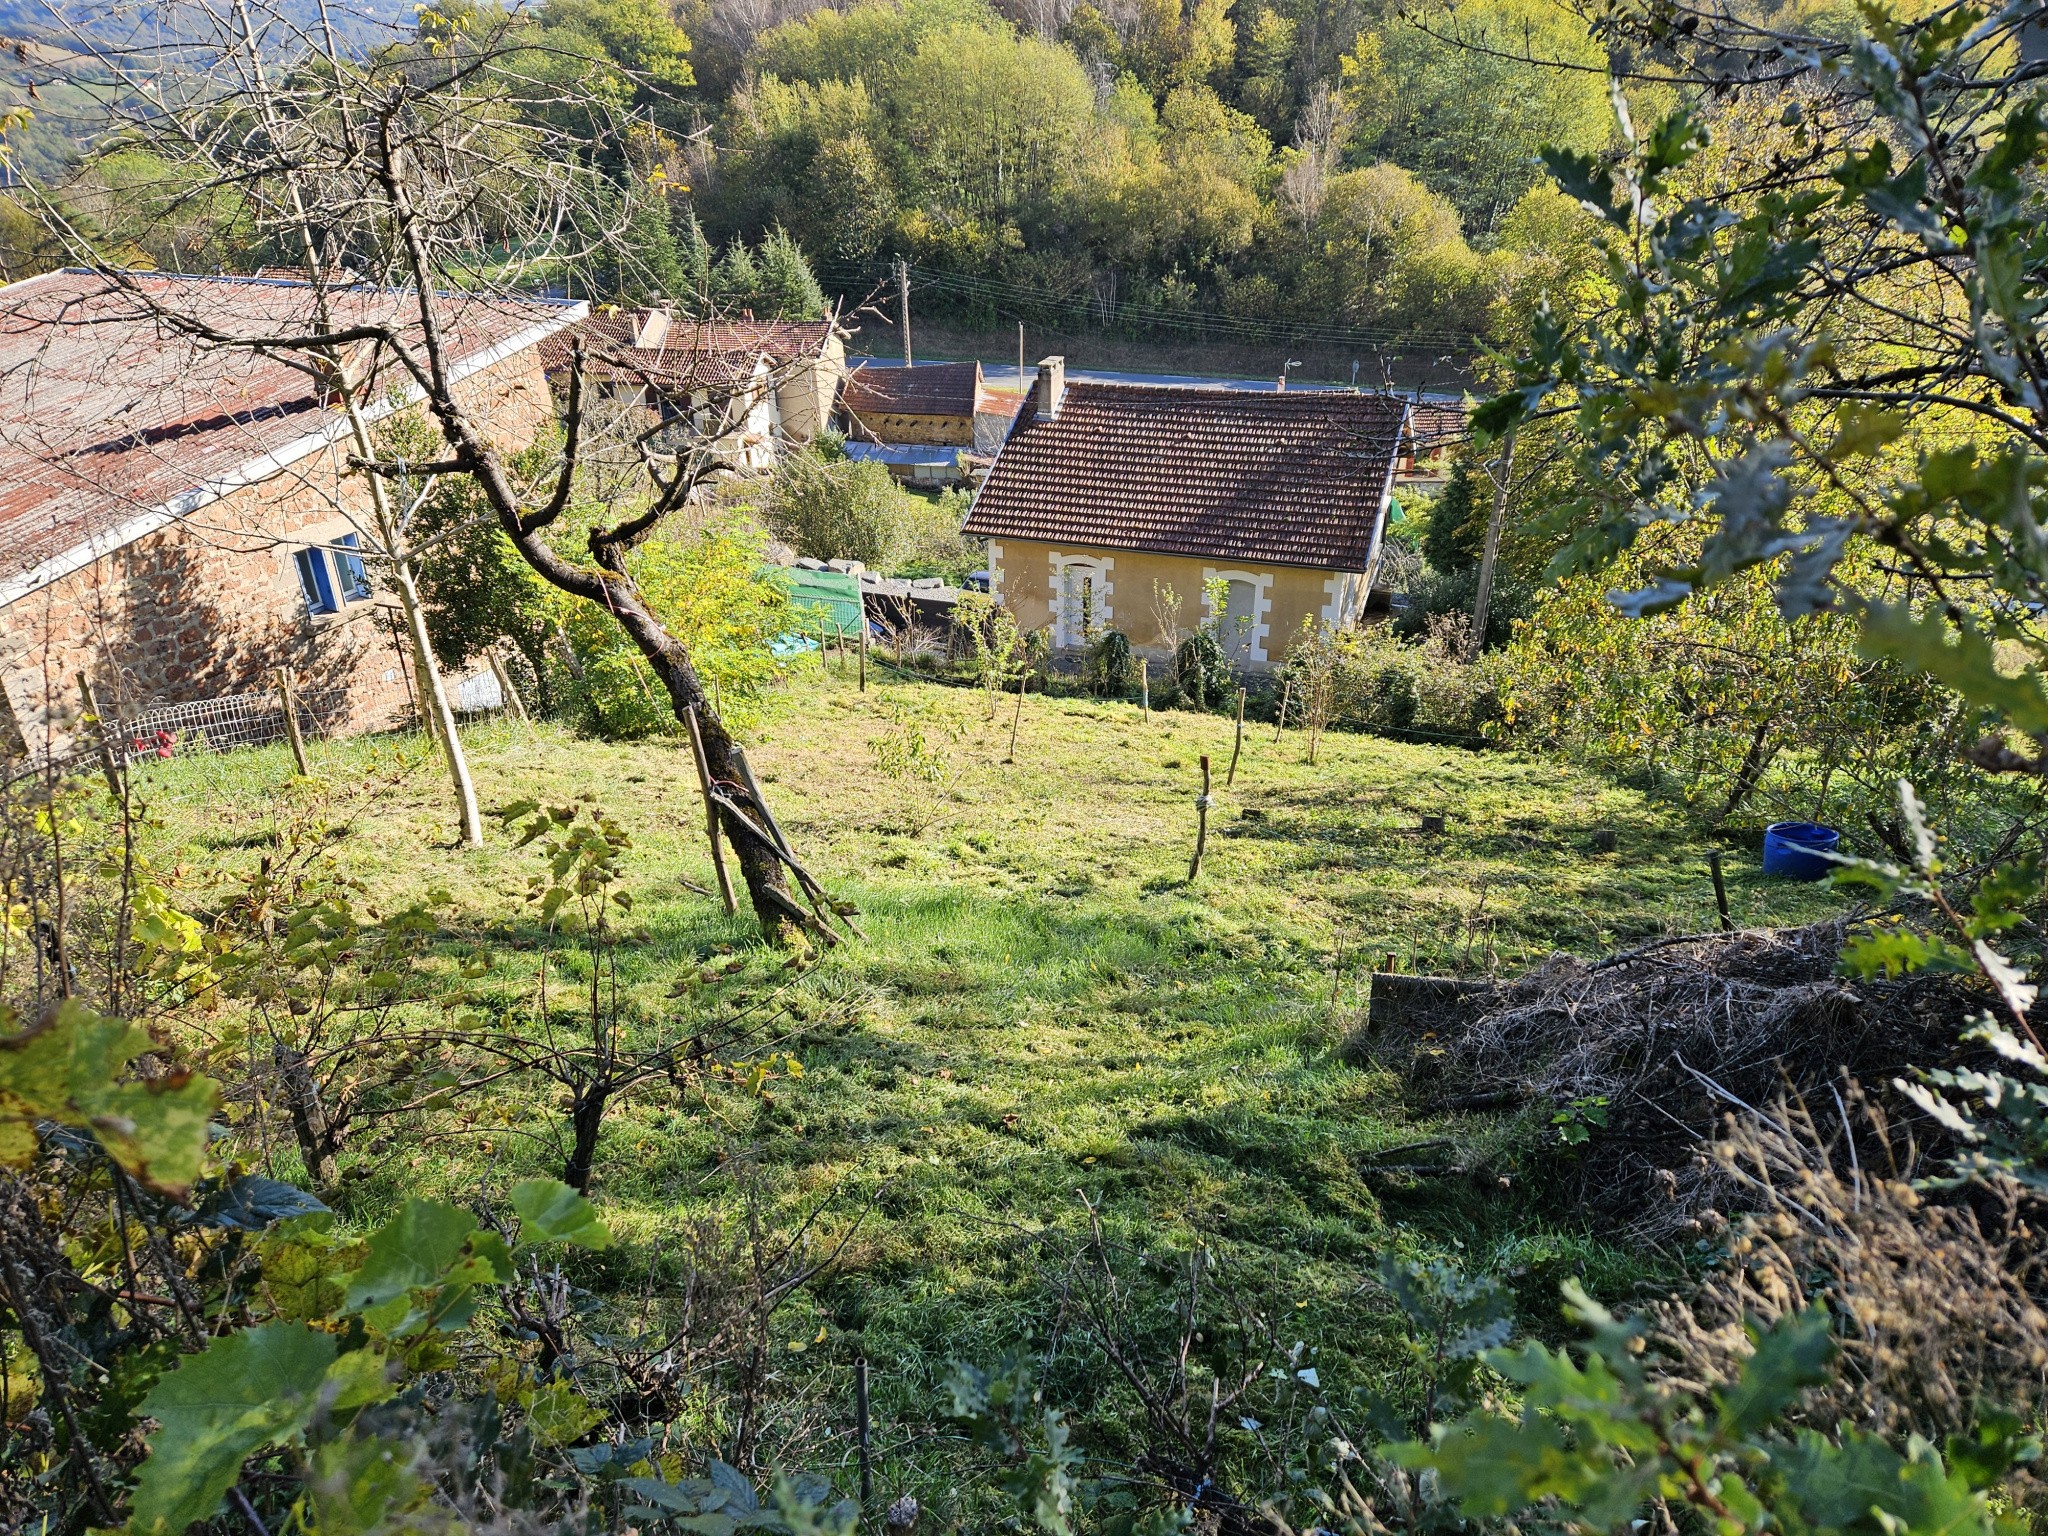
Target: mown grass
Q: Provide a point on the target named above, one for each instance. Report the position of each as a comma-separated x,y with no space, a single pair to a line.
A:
1046,1015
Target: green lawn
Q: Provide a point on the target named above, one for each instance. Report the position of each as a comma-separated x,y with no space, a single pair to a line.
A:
1046,1012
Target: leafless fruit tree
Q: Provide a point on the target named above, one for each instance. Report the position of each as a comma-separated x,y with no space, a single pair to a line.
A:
471,167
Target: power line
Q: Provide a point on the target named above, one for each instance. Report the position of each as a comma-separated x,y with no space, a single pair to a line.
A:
1030,303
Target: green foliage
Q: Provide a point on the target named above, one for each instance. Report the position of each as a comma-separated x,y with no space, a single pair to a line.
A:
830,507
1452,1319
67,1070
711,590
1201,671
1112,665
1003,1412
1598,1436
994,643
583,848
1693,389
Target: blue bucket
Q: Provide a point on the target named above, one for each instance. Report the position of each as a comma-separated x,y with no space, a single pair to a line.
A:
1797,850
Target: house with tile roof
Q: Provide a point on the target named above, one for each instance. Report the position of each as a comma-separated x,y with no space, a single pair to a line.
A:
1106,494
744,388
178,519
935,406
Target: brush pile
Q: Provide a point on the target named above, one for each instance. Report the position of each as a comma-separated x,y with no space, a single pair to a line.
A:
1639,1058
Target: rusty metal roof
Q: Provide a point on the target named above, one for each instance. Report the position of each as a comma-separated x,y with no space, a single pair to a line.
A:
1287,478
115,419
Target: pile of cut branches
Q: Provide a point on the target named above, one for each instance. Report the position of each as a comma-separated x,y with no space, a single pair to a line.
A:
1637,1059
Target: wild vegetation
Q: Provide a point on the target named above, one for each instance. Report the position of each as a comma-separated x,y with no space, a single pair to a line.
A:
1001,1170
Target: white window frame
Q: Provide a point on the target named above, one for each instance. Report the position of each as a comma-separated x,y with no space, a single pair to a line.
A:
1098,566
1261,583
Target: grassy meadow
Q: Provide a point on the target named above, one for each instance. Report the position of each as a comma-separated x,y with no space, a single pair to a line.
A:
1047,1017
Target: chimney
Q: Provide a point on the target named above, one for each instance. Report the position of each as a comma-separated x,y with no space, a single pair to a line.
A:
650,327
1282,385
1052,387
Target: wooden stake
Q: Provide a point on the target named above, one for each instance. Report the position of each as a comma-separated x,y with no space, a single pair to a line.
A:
710,812
288,697
1145,685
863,648
824,652
1720,888
108,760
860,1405
1230,778
1286,693
1201,823
503,674
1023,681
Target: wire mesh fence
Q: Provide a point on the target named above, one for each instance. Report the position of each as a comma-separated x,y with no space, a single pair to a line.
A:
226,723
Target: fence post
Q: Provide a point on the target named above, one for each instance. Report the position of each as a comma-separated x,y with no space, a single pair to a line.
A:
863,646
710,812
1145,686
503,674
1237,746
108,760
1201,823
287,697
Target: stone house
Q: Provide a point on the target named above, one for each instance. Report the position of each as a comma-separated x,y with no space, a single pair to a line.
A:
1108,501
926,405
177,520
744,387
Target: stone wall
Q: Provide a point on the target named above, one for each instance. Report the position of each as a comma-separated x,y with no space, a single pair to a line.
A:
212,604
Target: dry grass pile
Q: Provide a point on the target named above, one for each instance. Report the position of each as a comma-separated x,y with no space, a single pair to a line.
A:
1937,1305
1642,1055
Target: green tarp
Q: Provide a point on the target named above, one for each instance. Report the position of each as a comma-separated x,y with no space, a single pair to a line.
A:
827,596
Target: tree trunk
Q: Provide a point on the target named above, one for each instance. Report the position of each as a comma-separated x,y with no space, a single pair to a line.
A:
319,1136
1491,553
586,1119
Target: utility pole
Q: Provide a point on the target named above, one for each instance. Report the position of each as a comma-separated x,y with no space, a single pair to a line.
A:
903,299
1501,473
1020,354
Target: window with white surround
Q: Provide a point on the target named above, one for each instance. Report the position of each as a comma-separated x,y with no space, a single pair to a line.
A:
1082,595
1245,624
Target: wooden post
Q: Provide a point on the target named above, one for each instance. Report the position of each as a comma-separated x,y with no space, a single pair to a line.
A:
1023,681
824,651
710,812
863,648
860,1406
1720,888
503,674
1201,823
287,696
1237,746
1286,693
1145,685
109,761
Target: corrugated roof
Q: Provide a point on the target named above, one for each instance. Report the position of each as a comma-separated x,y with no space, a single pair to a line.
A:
1281,479
113,422
924,389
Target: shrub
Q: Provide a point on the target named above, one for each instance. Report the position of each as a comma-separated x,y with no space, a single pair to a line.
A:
1112,666
1201,670
834,508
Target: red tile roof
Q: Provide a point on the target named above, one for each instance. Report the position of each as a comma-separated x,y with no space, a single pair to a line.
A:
112,423
1287,478
927,389
691,354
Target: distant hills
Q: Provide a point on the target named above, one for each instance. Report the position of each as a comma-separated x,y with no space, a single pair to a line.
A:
61,59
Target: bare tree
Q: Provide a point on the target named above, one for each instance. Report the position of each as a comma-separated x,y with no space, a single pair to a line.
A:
472,166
